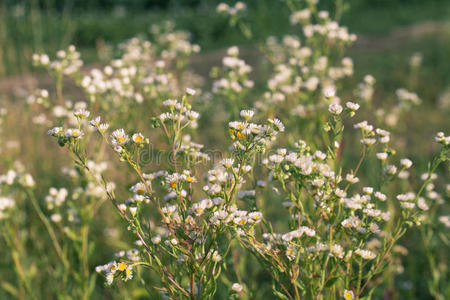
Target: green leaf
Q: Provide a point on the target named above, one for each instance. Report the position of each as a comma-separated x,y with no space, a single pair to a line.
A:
331,282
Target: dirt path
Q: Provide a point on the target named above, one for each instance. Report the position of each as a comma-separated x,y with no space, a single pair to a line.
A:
202,64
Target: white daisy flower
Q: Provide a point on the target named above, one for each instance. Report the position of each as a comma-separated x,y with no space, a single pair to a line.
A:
138,138
119,137
247,114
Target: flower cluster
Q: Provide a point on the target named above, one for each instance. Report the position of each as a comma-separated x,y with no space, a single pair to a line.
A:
238,8
67,62
321,215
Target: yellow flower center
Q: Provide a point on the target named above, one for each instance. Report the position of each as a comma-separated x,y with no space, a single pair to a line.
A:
140,191
138,138
120,139
190,179
348,296
242,221
122,266
240,135
173,184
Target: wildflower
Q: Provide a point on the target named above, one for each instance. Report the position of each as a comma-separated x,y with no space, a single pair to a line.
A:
56,218
330,92
368,190
133,210
374,228
156,239
138,188
353,221
365,254
170,103
406,163
380,196
240,6
424,176
122,207
227,162
352,107
128,274
445,220
121,266
247,114
386,216
54,131
406,197
320,155
323,14
385,139
95,122
73,132
276,158
291,252
368,141
222,7
349,295
81,113
335,108
119,137
351,178
255,216
190,92
103,127
236,125
422,204
237,287
407,205
172,180
441,138
5,204
192,115
300,16
138,138
382,156
216,257
109,278
278,124
190,179
27,180
391,169
337,251
240,220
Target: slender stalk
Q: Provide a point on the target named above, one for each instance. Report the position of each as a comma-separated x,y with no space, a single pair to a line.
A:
49,228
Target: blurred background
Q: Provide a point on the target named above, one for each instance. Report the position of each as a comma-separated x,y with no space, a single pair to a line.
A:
390,33
48,25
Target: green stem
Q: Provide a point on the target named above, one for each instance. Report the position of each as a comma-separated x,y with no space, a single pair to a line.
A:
49,228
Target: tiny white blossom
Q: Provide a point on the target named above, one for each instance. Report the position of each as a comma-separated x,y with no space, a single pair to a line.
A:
335,108
237,287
